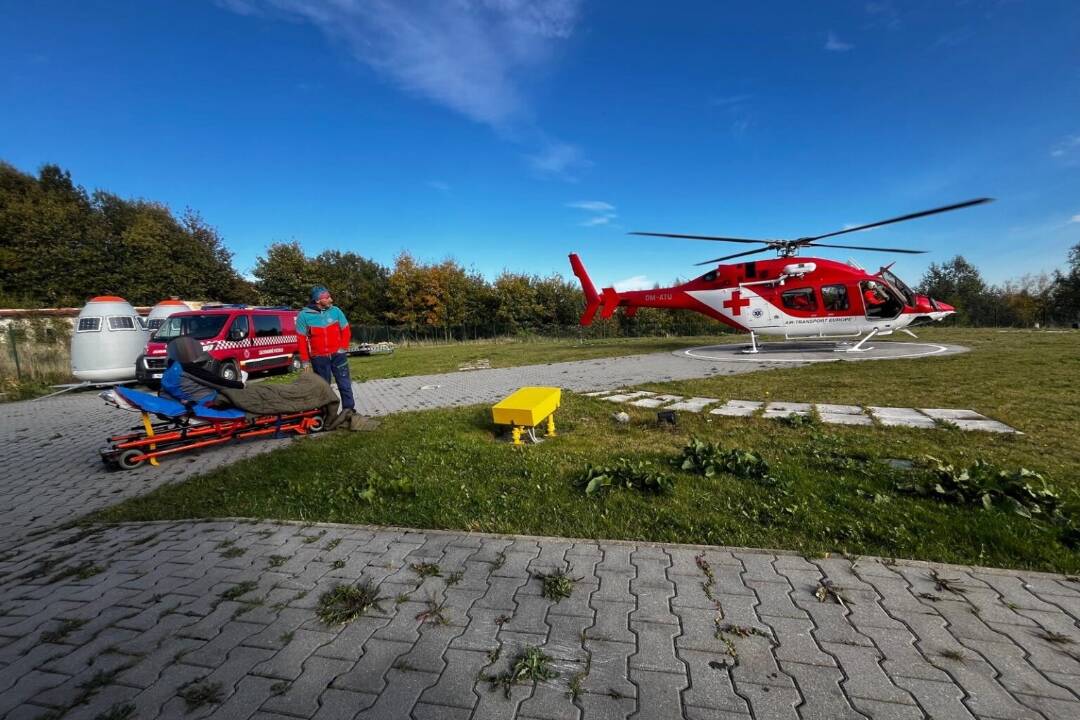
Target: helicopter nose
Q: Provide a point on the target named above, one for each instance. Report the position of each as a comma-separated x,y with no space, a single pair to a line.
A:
944,307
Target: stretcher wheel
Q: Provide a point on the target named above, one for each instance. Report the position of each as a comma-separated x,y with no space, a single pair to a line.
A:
317,424
126,459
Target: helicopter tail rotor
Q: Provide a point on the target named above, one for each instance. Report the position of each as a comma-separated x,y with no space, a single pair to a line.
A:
592,298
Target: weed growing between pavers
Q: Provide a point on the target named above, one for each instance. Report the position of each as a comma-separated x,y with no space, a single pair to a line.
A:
239,590
531,665
557,584
828,591
835,493
433,612
710,576
345,603
426,570
120,711
198,692
60,634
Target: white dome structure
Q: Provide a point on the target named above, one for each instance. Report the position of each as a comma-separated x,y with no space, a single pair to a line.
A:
109,335
163,310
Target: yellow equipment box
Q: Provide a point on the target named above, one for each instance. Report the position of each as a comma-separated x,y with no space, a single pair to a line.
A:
528,407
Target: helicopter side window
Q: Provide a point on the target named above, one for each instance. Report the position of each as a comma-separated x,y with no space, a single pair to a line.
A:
834,297
709,276
800,299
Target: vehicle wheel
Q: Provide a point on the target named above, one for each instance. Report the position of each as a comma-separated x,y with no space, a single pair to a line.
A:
317,424
229,371
297,364
126,459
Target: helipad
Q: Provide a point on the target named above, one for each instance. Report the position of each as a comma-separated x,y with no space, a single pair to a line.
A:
817,351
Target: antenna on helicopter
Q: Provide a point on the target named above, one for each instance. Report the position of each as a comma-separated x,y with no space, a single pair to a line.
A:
788,248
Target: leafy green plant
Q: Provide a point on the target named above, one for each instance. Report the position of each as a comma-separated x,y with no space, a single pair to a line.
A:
236,591
558,584
708,459
531,665
797,420
345,603
198,692
426,569
1024,492
627,474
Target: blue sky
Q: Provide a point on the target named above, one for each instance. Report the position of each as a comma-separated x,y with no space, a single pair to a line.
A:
506,133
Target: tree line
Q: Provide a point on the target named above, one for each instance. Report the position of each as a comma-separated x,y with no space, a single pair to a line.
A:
60,245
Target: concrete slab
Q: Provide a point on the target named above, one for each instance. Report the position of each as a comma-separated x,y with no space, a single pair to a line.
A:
844,419
598,393
839,409
738,408
985,426
655,402
901,417
623,397
784,409
694,404
950,414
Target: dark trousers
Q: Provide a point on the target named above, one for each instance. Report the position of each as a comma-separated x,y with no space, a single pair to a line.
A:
337,367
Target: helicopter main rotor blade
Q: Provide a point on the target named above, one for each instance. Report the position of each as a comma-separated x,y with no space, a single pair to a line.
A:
701,237
862,247
729,257
902,218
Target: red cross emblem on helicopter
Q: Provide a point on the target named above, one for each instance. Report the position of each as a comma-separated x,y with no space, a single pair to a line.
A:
736,303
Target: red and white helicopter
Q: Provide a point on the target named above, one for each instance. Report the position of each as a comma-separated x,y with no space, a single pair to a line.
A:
790,296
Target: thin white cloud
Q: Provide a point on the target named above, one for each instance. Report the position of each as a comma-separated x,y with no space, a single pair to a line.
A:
559,159
592,205
1074,219
603,212
637,282
439,185
471,56
1067,150
835,44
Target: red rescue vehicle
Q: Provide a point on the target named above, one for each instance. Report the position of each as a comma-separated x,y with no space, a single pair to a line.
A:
238,337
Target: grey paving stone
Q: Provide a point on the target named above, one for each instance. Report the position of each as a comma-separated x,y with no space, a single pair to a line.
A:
608,673
303,695
607,707
844,419
795,642
838,409
656,648
938,699
367,675
659,693
424,711
655,401
865,677
766,701
288,663
612,622
456,686
549,701
401,693
710,684
820,689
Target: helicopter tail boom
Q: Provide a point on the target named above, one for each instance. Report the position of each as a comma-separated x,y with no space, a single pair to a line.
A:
592,299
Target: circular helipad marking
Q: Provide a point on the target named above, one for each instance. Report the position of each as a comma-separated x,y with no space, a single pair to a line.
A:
818,352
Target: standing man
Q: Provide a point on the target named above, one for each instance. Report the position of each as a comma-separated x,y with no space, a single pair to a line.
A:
323,335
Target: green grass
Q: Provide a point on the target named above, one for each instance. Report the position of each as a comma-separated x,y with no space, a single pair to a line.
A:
829,490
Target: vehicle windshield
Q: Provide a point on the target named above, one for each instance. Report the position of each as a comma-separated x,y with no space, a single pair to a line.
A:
200,327
908,293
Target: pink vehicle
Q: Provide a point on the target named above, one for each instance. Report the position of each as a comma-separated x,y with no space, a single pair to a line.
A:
238,337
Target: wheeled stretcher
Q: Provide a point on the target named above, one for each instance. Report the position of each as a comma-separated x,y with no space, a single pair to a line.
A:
170,427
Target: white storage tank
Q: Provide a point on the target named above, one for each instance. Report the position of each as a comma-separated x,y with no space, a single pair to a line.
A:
108,336
163,310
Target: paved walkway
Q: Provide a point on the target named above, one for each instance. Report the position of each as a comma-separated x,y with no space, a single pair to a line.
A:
219,619
191,620
50,447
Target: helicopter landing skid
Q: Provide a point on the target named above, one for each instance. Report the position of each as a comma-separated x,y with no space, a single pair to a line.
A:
858,347
753,349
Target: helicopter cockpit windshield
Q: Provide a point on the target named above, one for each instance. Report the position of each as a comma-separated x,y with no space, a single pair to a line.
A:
891,278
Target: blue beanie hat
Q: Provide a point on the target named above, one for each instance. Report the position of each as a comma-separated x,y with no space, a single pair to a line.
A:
317,292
